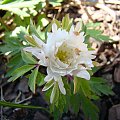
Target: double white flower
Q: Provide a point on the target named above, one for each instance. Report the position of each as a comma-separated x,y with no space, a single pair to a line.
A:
64,53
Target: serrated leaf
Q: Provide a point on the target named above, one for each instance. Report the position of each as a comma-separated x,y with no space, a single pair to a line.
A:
99,85
97,34
14,60
62,103
33,30
85,87
82,84
14,63
93,33
89,109
103,38
19,12
20,71
27,58
76,100
93,25
32,79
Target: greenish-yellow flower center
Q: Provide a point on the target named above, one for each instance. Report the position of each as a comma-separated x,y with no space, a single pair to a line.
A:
65,53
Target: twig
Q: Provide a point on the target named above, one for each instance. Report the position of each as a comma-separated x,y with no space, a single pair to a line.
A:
28,98
16,99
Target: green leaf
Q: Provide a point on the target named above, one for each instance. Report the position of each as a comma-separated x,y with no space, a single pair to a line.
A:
33,30
89,109
19,33
14,60
93,33
75,98
40,79
16,6
57,23
7,1
82,84
97,34
14,63
27,58
32,79
103,38
55,94
65,21
48,85
62,103
93,25
20,71
13,105
99,85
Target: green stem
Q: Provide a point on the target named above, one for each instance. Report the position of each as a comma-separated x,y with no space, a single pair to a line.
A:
13,105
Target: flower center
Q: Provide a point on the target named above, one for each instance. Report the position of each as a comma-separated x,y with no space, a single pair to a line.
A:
65,53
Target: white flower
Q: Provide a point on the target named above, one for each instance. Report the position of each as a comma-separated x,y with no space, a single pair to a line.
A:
64,53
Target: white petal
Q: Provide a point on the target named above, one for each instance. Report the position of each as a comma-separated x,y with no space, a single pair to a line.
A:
78,26
83,74
71,30
62,89
34,50
48,78
54,27
60,84
38,41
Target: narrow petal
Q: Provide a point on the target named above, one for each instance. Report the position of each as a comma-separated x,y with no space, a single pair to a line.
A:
38,41
61,87
83,74
34,50
54,27
78,27
48,78
71,29
60,84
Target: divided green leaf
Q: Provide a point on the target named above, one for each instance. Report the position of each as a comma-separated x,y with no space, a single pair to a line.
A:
89,109
20,71
27,58
99,86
